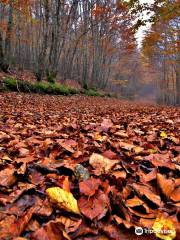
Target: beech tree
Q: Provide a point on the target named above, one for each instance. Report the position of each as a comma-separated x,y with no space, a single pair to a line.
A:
78,40
161,46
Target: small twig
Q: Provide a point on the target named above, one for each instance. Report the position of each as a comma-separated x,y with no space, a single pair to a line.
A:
17,85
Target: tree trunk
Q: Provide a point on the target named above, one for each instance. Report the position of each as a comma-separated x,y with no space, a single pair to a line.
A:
178,85
42,56
3,65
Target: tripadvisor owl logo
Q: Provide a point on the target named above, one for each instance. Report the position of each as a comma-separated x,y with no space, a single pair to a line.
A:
138,231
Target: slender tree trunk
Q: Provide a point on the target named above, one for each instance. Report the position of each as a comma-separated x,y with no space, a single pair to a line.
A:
1,52
178,84
9,34
43,53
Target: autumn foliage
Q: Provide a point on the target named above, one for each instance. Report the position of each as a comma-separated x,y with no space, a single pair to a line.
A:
87,168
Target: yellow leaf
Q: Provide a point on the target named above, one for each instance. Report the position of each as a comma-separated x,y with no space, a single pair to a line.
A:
163,134
63,199
99,137
138,150
164,228
152,151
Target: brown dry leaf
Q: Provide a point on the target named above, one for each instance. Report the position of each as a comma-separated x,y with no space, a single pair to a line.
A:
23,152
95,206
146,223
84,230
89,187
126,146
36,177
147,177
167,185
13,196
175,195
6,157
102,164
71,225
7,177
33,226
60,181
138,150
44,209
121,133
147,192
120,174
112,231
106,124
20,205
12,227
69,145
26,159
119,221
110,154
47,140
160,160
52,230
133,202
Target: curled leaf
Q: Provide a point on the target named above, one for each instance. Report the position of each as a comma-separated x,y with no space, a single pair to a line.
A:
63,199
102,164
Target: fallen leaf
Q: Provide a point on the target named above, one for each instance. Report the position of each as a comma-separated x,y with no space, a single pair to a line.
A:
52,230
133,202
95,206
23,152
7,177
106,124
121,133
119,174
147,192
63,199
164,228
175,195
138,150
126,146
163,134
69,145
89,187
146,223
69,224
12,227
102,164
167,185
33,226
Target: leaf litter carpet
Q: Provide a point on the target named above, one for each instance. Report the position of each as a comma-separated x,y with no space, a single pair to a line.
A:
88,168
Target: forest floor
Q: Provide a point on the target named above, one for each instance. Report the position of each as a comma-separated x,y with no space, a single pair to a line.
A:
87,168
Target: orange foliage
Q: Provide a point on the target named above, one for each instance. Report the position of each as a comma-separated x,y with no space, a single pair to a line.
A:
100,11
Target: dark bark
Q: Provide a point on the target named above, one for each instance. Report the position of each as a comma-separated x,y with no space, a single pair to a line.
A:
3,65
42,56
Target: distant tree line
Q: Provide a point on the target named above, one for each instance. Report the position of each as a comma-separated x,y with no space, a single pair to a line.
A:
70,39
161,46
